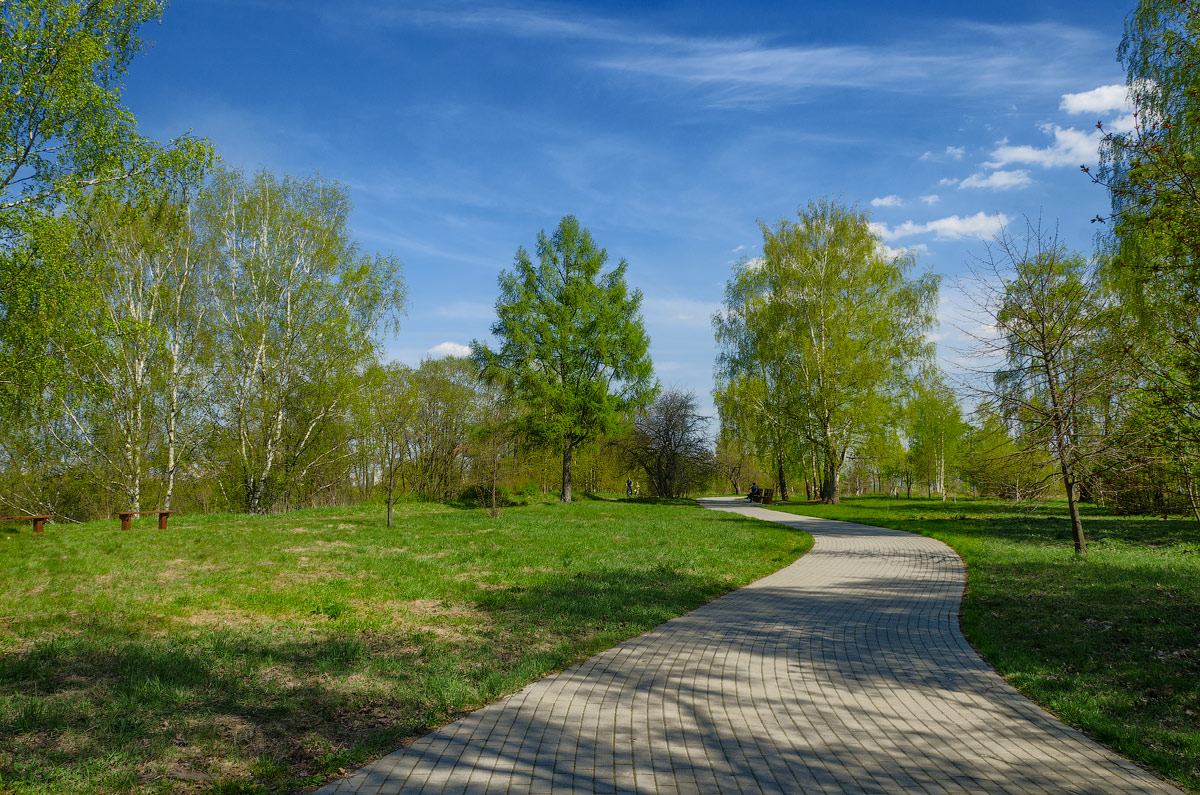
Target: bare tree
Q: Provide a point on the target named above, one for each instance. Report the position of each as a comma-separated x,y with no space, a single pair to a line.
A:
669,441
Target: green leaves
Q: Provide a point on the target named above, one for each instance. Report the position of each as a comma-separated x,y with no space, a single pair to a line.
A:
819,334
573,346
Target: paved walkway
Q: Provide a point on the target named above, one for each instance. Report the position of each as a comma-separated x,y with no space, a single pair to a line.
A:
842,673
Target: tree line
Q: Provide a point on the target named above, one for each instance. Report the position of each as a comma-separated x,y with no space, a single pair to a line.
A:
1088,381
177,333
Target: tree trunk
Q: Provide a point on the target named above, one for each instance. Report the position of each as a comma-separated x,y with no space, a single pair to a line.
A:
1191,491
391,491
783,489
1076,522
566,473
829,486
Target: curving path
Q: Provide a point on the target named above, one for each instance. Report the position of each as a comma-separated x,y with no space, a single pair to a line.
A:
845,672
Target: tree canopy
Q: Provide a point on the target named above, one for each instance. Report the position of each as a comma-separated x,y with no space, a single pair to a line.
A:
821,332
63,130
572,343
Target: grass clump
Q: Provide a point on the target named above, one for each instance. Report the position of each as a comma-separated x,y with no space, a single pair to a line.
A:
243,654
1109,642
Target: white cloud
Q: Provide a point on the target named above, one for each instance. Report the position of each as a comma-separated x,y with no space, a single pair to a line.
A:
887,201
951,153
951,228
931,199
998,180
1098,100
1071,147
947,181
448,349
892,253
736,250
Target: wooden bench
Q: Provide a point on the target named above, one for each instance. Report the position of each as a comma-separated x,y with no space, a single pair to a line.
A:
767,496
127,516
39,522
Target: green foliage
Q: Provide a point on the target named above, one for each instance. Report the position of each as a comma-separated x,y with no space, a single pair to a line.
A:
296,309
572,344
1153,176
934,428
63,131
819,335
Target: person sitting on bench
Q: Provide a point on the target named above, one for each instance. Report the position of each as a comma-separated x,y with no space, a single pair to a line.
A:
755,493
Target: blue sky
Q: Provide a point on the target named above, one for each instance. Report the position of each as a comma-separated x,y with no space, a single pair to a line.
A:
668,128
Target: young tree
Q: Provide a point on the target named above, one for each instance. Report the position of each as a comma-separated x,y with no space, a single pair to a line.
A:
1060,365
833,321
573,348
392,403
493,441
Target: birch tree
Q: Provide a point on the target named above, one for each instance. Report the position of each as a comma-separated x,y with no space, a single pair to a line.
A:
835,319
296,306
63,133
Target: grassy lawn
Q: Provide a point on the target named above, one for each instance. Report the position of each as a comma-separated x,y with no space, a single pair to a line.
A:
1111,643
239,654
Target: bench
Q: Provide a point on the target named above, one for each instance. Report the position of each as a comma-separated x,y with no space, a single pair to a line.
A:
768,495
39,522
127,516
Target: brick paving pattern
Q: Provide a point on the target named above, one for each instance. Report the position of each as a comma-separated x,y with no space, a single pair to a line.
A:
845,672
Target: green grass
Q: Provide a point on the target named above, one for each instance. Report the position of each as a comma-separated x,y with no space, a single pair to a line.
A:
238,654
1110,643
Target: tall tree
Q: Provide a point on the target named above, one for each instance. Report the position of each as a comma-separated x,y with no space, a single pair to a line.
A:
298,309
836,323
63,130
1153,174
573,347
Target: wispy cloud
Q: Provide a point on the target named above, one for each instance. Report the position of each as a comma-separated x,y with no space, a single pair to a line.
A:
997,180
951,153
679,312
887,201
902,251
466,310
931,199
953,227
755,71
